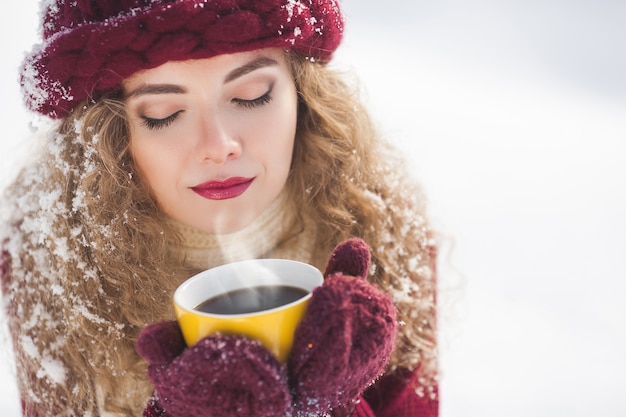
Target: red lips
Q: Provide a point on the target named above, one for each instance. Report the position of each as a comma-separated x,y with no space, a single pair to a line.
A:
223,189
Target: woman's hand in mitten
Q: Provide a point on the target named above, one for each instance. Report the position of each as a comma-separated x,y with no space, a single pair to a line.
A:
219,376
345,339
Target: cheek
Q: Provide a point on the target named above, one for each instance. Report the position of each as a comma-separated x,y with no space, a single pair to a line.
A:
268,134
153,165
279,141
142,158
284,122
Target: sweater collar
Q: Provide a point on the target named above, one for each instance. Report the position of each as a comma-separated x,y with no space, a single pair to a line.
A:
265,237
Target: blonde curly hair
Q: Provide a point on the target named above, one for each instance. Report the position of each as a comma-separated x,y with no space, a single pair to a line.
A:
88,254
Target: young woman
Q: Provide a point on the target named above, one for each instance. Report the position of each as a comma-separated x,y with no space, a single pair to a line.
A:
192,133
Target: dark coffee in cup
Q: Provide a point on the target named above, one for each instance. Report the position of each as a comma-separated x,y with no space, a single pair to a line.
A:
251,300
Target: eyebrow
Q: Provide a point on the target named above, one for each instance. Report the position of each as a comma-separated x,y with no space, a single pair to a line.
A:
177,89
249,67
156,89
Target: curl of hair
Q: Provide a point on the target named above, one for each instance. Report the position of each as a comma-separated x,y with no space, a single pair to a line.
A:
353,183
107,261
128,238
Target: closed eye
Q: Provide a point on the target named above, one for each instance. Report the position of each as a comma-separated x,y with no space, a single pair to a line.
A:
156,124
256,102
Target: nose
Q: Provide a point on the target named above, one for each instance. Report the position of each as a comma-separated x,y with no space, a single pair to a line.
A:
218,142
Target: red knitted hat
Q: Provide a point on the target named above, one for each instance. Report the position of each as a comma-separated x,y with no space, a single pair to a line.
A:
90,46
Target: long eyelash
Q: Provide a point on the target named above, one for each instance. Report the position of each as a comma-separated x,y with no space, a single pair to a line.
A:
155,124
257,102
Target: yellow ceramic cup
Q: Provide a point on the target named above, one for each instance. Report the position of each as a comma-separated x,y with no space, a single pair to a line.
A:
274,328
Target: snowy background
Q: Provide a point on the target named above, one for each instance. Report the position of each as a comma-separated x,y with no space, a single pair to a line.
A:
513,115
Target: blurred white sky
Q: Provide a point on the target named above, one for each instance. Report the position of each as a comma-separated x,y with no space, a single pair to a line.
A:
513,116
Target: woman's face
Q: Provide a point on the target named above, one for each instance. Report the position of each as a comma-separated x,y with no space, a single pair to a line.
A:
213,138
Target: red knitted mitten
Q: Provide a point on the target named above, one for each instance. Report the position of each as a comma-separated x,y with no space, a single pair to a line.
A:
226,376
345,339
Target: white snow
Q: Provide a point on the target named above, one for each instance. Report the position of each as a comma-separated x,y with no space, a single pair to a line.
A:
513,115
